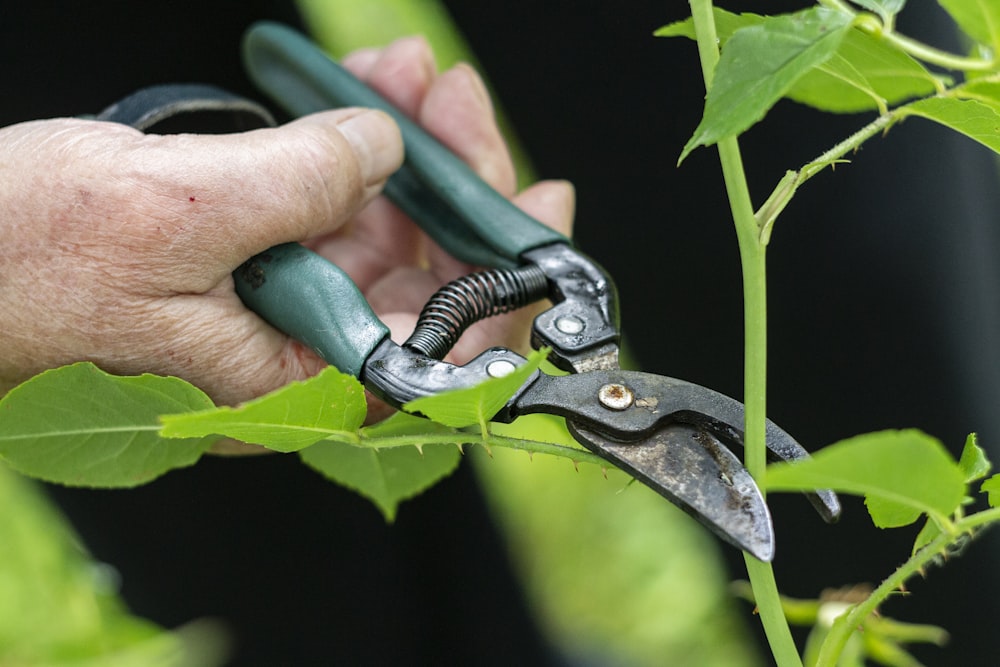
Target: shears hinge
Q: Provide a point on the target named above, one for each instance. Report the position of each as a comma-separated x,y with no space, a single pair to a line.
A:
582,326
399,375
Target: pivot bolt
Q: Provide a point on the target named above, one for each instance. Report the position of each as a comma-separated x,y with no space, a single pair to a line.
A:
616,396
570,324
500,368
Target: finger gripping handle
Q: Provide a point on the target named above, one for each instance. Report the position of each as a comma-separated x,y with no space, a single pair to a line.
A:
314,302
470,219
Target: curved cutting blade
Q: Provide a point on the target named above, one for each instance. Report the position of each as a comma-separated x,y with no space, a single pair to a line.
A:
653,403
695,471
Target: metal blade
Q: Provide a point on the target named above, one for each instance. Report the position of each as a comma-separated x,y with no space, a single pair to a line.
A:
693,470
651,402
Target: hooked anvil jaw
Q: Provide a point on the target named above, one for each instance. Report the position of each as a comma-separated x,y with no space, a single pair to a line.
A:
582,325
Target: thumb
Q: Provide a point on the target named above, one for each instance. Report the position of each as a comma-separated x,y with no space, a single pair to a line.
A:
236,195
239,195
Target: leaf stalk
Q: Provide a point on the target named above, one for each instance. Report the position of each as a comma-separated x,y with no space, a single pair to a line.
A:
873,25
840,633
461,438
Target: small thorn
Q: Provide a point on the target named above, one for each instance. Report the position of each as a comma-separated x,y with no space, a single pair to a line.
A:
420,448
576,465
531,456
604,471
489,450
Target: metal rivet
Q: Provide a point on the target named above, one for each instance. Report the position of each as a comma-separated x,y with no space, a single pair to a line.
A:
616,396
500,368
570,324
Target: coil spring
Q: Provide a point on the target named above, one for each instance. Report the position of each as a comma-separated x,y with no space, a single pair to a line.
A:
472,298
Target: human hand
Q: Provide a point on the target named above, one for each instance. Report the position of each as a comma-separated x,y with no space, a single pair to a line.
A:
394,263
119,246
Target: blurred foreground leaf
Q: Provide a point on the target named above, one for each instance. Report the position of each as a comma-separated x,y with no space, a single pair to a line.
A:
60,609
616,574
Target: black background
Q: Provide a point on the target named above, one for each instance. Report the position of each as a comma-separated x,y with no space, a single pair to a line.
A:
883,313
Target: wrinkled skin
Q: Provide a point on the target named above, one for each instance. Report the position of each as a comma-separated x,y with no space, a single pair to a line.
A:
118,246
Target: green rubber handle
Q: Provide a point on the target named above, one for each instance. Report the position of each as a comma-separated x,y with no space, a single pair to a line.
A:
313,301
460,211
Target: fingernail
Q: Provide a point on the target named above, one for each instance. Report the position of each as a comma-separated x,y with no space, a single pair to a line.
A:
377,143
475,84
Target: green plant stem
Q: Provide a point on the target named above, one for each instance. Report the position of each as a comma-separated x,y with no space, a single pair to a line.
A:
929,54
753,261
752,257
790,182
841,631
460,438
935,56
848,145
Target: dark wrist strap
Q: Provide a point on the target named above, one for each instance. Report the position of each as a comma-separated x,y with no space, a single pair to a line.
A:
182,107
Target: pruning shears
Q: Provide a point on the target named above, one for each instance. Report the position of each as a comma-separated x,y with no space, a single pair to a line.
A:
672,435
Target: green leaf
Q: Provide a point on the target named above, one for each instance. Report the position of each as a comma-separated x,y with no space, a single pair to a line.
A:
682,28
726,23
535,434
865,73
384,476
328,405
887,9
391,461
985,91
973,461
980,19
930,530
400,425
760,64
972,118
80,426
902,474
992,487
478,404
